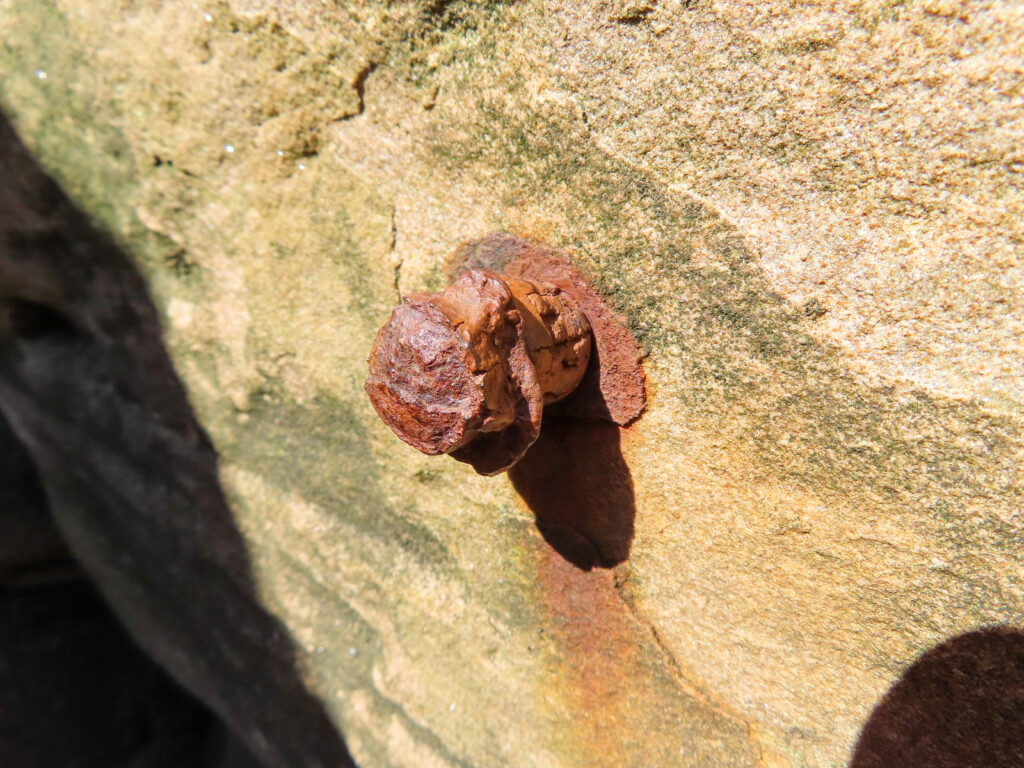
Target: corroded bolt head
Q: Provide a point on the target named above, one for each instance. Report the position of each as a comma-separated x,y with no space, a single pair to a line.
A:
468,370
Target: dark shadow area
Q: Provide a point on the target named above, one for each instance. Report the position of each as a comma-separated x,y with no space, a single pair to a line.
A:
131,481
576,482
961,705
31,547
75,691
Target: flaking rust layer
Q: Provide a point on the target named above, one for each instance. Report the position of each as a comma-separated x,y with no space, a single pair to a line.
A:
467,371
615,386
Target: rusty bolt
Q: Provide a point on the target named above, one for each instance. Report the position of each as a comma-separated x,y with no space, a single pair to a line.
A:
467,371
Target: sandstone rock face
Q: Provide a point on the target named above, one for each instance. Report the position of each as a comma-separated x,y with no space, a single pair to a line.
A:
811,216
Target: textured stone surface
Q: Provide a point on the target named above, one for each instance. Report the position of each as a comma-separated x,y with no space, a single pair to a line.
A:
811,215
131,482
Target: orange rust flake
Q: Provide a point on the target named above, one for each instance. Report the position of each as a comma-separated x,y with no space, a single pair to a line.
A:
615,387
467,371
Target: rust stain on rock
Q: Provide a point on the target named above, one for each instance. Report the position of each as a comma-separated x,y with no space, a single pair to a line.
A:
618,688
600,660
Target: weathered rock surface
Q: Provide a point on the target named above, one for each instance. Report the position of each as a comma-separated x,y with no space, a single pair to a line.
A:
131,480
810,214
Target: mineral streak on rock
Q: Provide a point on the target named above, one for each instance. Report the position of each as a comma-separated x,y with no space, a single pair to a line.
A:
467,371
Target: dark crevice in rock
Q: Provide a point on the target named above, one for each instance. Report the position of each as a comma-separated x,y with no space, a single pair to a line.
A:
360,84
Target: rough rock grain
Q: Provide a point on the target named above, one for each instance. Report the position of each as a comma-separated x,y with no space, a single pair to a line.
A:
810,213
